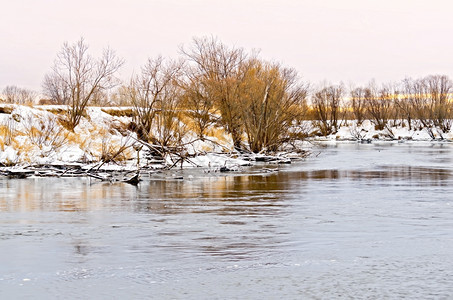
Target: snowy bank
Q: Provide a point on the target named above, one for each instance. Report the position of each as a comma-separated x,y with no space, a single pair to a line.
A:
351,131
36,136
104,140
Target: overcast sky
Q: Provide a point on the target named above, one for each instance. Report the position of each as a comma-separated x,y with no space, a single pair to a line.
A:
334,40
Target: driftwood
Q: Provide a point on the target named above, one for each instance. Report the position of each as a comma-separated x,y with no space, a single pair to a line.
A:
156,155
18,173
71,171
134,180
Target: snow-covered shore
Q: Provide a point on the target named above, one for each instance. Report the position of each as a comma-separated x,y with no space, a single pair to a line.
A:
366,131
34,136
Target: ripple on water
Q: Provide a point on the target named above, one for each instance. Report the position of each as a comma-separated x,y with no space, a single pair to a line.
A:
357,221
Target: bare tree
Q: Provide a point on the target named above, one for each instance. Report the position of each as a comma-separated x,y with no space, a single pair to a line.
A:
327,105
378,104
152,90
415,91
14,94
389,95
77,78
439,89
403,102
56,90
169,128
219,67
357,104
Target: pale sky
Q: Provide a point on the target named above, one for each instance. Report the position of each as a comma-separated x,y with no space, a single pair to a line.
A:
333,40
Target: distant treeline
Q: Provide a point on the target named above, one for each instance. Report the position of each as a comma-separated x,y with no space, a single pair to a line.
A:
260,103
424,102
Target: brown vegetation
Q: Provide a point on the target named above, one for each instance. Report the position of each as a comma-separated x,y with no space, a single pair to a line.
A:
255,98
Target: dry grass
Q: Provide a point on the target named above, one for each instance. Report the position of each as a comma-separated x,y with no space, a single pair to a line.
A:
56,110
81,140
45,131
114,150
65,123
8,131
120,112
63,115
219,134
207,148
24,151
189,123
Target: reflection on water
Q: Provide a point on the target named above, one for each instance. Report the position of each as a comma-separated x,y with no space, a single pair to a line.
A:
417,175
160,196
366,221
55,194
173,196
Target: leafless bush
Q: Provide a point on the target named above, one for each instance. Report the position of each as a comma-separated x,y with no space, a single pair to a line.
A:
44,131
113,152
299,131
121,96
101,98
356,132
153,89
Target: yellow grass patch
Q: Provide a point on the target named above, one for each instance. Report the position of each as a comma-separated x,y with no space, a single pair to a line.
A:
218,133
190,123
7,133
82,141
206,148
119,112
55,110
4,130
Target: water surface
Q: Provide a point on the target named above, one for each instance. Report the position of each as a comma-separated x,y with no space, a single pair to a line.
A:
352,221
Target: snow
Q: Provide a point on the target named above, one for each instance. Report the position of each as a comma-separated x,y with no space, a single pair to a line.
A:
212,160
93,135
8,156
96,134
367,131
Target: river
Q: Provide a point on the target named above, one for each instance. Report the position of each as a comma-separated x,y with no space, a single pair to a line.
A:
363,221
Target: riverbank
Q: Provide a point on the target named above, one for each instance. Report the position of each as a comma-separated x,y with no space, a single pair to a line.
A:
105,140
35,135
34,142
